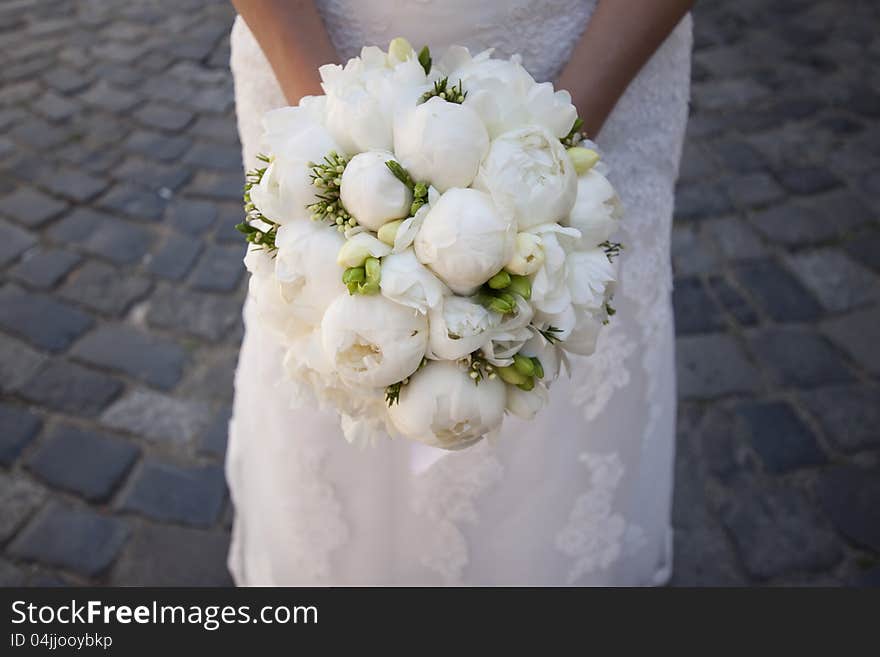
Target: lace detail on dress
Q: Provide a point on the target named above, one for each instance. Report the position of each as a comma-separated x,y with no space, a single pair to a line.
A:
446,495
595,534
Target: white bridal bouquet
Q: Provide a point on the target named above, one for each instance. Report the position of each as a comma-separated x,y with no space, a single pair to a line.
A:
427,241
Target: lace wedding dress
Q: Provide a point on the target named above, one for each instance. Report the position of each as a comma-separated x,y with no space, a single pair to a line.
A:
581,495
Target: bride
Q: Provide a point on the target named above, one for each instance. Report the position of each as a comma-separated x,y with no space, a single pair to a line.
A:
579,496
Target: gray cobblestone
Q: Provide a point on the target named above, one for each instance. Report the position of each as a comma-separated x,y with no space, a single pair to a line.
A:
102,235
153,360
40,320
206,316
713,365
44,267
30,207
220,269
779,437
191,496
800,359
70,388
17,363
15,242
19,499
158,417
855,334
849,414
839,283
777,291
851,495
19,426
102,288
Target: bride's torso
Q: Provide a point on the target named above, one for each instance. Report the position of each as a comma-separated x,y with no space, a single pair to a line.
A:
542,31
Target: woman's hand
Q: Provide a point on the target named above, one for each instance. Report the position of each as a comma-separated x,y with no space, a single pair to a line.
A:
620,38
294,40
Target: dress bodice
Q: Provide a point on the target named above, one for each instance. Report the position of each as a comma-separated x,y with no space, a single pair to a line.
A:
542,31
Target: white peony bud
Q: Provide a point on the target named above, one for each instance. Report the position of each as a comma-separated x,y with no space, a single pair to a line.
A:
358,248
528,255
596,210
440,143
528,170
371,193
526,404
442,407
459,327
306,269
372,341
465,239
408,282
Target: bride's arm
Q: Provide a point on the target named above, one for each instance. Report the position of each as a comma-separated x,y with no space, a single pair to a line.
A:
621,36
294,39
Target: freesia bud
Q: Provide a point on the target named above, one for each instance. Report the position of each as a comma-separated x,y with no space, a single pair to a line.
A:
528,255
500,280
388,232
583,159
399,50
520,285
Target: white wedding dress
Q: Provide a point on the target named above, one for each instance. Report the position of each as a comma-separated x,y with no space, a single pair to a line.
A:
579,496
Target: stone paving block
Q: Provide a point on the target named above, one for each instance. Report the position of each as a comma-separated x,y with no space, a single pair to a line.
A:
40,320
733,301
15,242
219,186
753,190
800,359
214,381
83,462
779,436
44,267
155,145
727,94
855,334
190,496
808,180
104,288
19,498
73,184
107,97
738,156
159,178
777,291
11,575
229,214
866,249
158,417
174,258
797,224
689,509
18,427
103,235
148,358
724,445
163,117
702,201
209,155
838,282
713,365
163,555
66,80
39,134
17,362
190,216
734,238
695,311
703,557
219,269
206,316
215,128
70,388
849,414
138,203
31,207
214,439
55,107
851,497
691,252
777,531
74,539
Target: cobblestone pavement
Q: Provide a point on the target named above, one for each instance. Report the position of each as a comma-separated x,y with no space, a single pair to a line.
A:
122,286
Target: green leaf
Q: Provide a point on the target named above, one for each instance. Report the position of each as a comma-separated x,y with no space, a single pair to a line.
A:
425,59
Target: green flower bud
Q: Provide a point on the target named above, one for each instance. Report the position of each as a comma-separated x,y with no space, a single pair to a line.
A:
521,285
539,369
500,280
510,375
354,275
524,365
528,385
500,306
420,190
400,49
370,287
373,270
583,159
388,232
508,298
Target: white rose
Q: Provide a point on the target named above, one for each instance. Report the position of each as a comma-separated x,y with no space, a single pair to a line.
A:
372,341
442,407
293,138
371,193
465,239
306,269
408,282
591,278
528,255
529,170
459,327
441,143
596,210
526,404
362,95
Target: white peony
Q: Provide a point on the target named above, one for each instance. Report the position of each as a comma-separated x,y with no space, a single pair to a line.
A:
294,137
550,293
442,407
362,95
465,239
441,143
408,282
371,193
597,209
591,278
306,270
459,327
528,170
526,404
372,341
